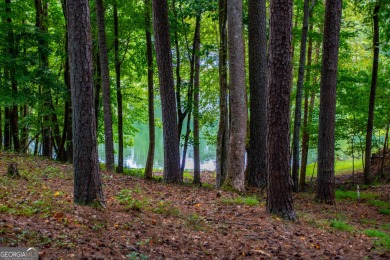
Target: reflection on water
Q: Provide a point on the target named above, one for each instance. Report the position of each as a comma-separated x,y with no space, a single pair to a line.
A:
135,157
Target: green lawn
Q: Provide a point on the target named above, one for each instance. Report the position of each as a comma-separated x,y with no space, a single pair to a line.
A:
341,167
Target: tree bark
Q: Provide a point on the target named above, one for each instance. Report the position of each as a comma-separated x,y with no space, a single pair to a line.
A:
106,96
257,154
279,193
149,55
223,126
326,136
87,180
384,152
118,64
371,106
197,179
239,113
7,129
298,99
167,92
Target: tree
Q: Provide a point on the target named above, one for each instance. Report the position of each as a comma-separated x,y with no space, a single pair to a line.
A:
118,64
165,72
237,142
279,193
371,107
326,134
298,100
196,102
149,55
87,181
257,154
223,126
105,76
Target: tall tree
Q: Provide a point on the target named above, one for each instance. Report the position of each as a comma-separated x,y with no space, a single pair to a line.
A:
105,76
257,32
149,55
239,113
298,99
326,134
167,92
223,126
87,180
119,97
371,106
196,102
279,193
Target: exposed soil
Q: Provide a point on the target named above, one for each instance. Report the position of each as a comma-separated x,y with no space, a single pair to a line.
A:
161,221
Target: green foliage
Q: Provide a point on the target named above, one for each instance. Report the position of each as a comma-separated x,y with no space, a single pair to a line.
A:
249,201
340,194
384,211
125,198
166,208
195,222
384,237
137,256
341,225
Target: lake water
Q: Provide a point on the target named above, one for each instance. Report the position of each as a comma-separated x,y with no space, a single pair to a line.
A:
135,156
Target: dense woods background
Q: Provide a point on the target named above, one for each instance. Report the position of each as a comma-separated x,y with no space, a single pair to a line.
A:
213,67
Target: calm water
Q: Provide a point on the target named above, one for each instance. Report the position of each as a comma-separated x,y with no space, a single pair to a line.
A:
135,156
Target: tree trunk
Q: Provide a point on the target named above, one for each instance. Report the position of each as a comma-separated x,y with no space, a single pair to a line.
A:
326,136
105,76
384,152
87,180
167,92
371,106
149,55
279,194
223,126
118,89
238,98
257,154
298,99
1,132
7,129
197,179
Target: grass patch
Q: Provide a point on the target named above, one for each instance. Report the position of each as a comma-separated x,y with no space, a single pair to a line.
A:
341,225
195,222
384,211
136,172
249,201
166,208
341,167
125,197
340,194
384,239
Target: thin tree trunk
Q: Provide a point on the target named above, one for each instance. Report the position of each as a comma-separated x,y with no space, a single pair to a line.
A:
298,100
384,152
105,76
279,192
87,180
326,136
1,132
149,55
257,153
7,129
371,107
167,92
239,114
197,179
223,126
118,89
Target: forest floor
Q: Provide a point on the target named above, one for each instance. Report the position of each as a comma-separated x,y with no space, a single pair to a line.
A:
152,220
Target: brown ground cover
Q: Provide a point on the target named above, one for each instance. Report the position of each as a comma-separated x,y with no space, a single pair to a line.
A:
152,220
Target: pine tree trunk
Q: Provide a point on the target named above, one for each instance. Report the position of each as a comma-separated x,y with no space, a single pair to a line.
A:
149,55
298,100
7,132
118,89
239,114
279,193
257,154
105,76
87,180
326,136
167,92
223,127
371,106
197,179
